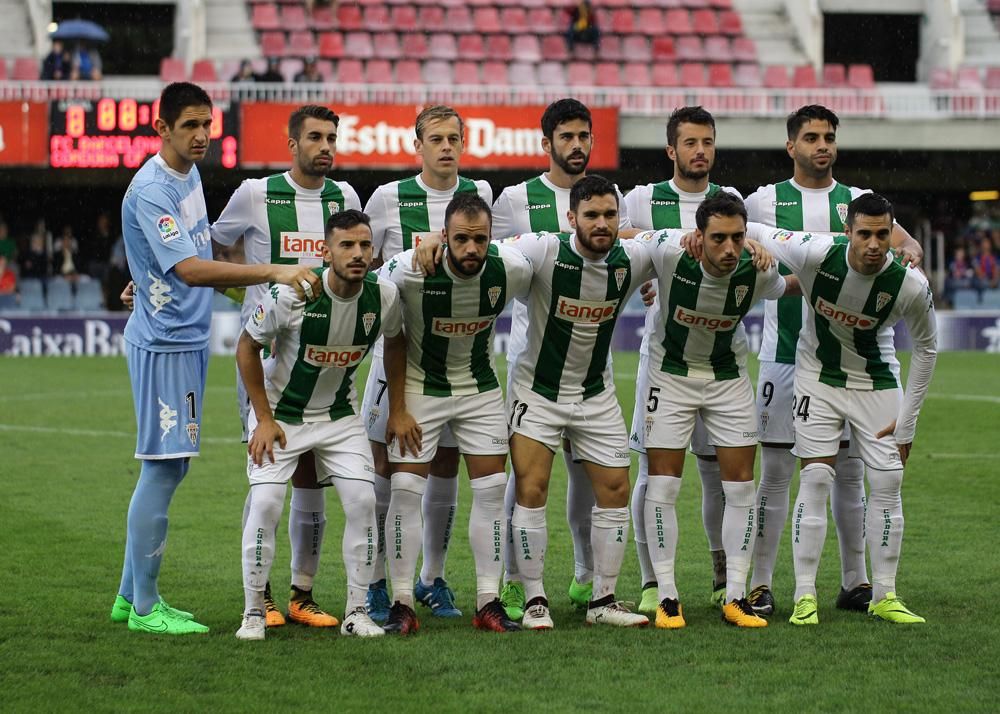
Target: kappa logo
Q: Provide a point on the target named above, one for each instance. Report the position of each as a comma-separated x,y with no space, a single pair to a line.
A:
167,227
392,265
301,245
881,300
620,274
705,321
412,204
844,317
168,419
368,321
278,201
537,206
566,266
740,293
664,202
784,203
494,294
159,293
331,356
842,212
192,431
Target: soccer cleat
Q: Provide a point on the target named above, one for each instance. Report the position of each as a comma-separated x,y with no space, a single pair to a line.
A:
857,599
615,614
761,600
123,608
718,596
438,597
579,594
670,615
304,610
891,609
740,614
377,601
806,611
402,620
253,625
161,621
493,618
649,603
272,615
512,599
357,623
536,615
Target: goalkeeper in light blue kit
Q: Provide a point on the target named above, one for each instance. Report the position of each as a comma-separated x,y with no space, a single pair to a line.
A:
165,227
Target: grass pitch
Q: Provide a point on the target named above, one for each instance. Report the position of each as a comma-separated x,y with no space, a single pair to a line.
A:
66,440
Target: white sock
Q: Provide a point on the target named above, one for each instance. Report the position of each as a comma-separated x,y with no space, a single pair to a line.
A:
738,535
403,533
306,525
847,501
809,529
777,466
713,501
486,534
510,552
579,505
383,492
360,540
439,504
646,574
884,529
267,500
608,536
531,537
661,531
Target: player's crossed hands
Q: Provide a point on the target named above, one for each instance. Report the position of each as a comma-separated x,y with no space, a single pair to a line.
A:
262,440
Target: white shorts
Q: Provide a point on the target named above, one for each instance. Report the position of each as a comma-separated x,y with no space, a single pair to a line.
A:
673,403
775,391
821,411
595,427
340,448
375,406
700,445
477,421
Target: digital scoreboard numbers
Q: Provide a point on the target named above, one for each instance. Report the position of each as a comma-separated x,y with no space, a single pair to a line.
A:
119,133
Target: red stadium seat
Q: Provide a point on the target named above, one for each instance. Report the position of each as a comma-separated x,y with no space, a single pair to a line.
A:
730,23
331,45
377,18
494,72
415,46
804,77
636,74
302,44
522,74
611,47
580,74
679,22
499,47
744,49
704,22
690,48
430,19
748,76
551,74
554,48
378,71
349,71
204,71
861,76
358,45
408,72
487,19
3,69
692,74
663,48
651,22
171,70
272,44
514,20
606,74
265,17
992,79
289,67
717,49
442,46
466,72
720,75
437,72
776,77
968,78
293,18
404,17
527,48
721,4
543,20
322,18
635,48
665,75
459,19
834,75
941,79
387,45
349,17
623,21
471,47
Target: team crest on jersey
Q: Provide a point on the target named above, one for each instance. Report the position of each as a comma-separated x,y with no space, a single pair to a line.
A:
367,320
372,416
167,227
740,293
494,294
333,207
782,236
620,276
842,212
881,300
649,425
192,430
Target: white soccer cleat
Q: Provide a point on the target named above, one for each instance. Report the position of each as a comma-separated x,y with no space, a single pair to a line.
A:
253,625
615,614
357,623
536,615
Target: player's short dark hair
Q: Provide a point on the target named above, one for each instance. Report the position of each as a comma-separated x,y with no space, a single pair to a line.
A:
177,97
438,112
468,204
797,119
588,187
346,220
869,204
563,110
309,111
687,115
721,204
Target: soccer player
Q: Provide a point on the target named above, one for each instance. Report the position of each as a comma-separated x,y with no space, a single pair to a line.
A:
542,204
445,361
281,219
403,213
305,401
847,373
697,366
167,241
812,200
672,204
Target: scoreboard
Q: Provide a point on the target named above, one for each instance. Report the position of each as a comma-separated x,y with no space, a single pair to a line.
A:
111,133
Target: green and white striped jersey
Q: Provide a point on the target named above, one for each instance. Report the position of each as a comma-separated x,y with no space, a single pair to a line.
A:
449,320
281,222
699,331
573,306
403,212
795,208
318,346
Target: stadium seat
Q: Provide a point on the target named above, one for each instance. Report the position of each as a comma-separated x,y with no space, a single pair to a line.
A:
635,48
7,302
623,21
3,68
636,74
804,77
522,74
664,49
992,79
606,74
543,20
293,18
322,18
554,48
302,44
651,22
748,76
961,300
408,71
515,20
204,71
721,4
331,45
551,74
459,19
487,20
690,48
720,75
89,296
744,49
349,71
679,22
471,47
379,71
414,46
405,18
730,23
442,46
718,49
377,18
968,79
693,74
325,68
465,72
704,22
265,17
495,73
665,75
611,47
349,17
499,47
386,45
171,70
527,48
437,72
776,77
59,294
580,74
272,44
990,299
834,75
32,293
941,78
358,45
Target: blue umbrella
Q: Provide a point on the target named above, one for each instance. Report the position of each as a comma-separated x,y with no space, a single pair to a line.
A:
80,30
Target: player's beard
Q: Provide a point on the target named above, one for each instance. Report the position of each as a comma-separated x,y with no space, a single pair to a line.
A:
693,174
461,267
344,276
805,162
313,169
589,243
566,166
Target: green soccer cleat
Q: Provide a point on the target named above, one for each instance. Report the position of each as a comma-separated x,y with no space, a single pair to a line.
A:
122,608
891,609
579,594
649,603
718,596
161,621
806,611
512,599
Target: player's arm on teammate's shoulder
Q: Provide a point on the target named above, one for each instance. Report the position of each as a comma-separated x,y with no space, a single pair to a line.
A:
261,329
428,253
210,273
910,252
788,247
401,426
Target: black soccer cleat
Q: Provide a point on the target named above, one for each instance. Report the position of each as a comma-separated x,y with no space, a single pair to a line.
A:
856,599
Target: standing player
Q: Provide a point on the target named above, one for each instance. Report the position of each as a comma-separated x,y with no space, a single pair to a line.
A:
542,205
445,362
281,219
304,399
812,200
672,204
697,367
847,373
167,241
403,213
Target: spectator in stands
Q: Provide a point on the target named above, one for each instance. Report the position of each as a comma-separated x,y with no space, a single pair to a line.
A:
58,64
272,74
582,25
985,264
86,63
96,249
34,261
309,73
245,73
8,278
960,273
66,255
8,246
